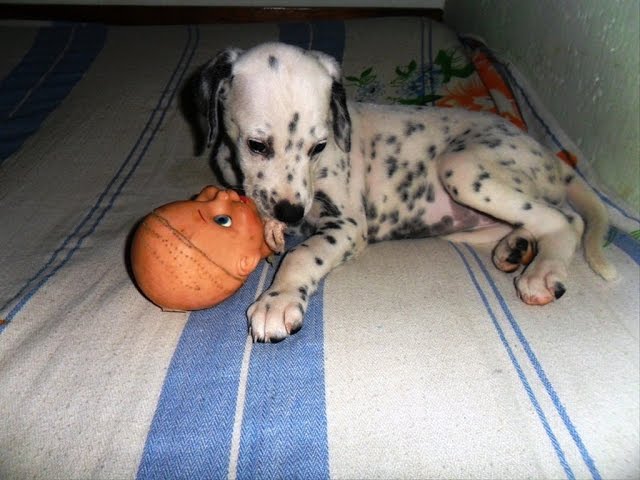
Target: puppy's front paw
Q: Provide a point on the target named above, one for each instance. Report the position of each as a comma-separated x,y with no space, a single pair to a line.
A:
276,315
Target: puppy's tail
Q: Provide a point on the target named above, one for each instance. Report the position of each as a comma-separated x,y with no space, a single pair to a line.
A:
589,206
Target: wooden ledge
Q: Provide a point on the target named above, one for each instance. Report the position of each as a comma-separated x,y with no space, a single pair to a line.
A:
179,15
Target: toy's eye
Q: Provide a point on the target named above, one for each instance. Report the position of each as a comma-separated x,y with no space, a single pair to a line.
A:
317,148
223,220
256,146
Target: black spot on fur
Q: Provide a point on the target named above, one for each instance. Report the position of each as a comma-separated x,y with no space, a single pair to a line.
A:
527,206
492,142
459,146
412,127
331,239
371,211
329,209
568,179
264,196
444,225
448,174
392,166
273,62
432,152
414,227
331,226
274,294
419,192
293,124
319,261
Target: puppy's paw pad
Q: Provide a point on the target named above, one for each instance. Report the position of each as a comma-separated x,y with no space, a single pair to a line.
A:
517,248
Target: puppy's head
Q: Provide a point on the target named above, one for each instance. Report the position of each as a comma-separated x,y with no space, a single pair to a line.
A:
283,108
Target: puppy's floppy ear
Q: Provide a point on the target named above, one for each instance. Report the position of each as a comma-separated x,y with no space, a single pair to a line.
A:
212,79
341,118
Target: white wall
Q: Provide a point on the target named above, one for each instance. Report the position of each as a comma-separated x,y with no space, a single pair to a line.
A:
583,58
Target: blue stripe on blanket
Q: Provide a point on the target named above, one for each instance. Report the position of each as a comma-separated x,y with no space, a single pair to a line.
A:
70,245
516,364
627,244
326,36
284,433
190,436
59,57
537,366
229,407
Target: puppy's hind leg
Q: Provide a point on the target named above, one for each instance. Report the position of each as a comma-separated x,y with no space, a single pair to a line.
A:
556,234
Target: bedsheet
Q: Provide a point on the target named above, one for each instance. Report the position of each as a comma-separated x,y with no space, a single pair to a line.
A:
416,359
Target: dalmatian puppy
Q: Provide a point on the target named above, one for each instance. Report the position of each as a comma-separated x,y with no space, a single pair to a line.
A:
348,174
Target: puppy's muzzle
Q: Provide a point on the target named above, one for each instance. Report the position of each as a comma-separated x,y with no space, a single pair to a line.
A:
288,213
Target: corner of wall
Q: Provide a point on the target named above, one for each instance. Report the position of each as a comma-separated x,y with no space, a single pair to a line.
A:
583,59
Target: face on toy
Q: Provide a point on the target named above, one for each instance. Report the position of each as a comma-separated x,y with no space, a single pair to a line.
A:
193,254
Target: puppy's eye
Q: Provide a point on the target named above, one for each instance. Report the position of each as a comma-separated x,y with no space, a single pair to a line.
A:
256,146
223,220
317,148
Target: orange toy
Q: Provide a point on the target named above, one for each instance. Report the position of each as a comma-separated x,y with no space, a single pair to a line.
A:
193,254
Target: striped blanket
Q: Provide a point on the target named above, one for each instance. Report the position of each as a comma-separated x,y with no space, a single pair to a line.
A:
416,360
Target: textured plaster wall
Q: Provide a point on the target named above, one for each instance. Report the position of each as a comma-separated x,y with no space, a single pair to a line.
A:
583,59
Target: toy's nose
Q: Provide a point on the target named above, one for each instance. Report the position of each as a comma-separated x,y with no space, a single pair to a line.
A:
229,195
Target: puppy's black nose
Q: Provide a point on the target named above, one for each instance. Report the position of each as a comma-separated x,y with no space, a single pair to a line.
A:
288,213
